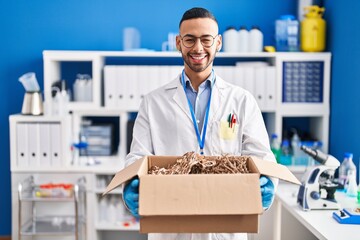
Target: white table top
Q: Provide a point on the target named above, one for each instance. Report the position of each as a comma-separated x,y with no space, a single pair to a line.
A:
319,222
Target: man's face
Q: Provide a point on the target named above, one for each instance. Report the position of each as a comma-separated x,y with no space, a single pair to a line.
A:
200,56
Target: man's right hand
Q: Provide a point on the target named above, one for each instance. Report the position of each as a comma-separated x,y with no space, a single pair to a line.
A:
131,197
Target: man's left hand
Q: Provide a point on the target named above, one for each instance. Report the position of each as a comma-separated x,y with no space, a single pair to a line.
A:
267,191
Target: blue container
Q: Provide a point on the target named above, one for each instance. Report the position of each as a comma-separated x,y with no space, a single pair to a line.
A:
287,34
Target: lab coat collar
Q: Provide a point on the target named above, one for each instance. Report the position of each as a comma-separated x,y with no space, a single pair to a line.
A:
180,97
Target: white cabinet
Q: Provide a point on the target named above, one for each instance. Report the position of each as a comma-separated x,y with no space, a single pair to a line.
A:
286,86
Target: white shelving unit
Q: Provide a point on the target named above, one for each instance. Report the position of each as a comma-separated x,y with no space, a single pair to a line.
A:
70,124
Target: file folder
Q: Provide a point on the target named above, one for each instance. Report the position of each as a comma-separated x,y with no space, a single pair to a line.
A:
110,88
44,144
33,144
55,133
270,88
21,145
260,86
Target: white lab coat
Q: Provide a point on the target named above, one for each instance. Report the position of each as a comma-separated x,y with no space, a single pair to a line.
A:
164,127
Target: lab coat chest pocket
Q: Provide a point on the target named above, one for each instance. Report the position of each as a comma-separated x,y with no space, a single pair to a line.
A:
226,139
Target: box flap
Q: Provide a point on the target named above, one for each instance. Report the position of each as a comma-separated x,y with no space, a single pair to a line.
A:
199,194
273,169
125,175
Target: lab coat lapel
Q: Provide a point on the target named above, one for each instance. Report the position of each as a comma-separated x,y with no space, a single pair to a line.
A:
216,99
180,97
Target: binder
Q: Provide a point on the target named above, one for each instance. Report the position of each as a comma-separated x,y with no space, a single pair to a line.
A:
260,85
21,145
249,79
44,145
110,86
122,86
55,135
143,82
33,144
132,97
270,94
239,76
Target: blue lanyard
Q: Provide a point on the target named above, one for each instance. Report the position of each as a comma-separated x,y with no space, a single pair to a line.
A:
201,140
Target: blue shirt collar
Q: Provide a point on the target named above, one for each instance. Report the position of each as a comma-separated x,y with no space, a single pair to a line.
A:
207,83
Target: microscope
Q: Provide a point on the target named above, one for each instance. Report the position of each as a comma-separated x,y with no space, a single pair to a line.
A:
317,190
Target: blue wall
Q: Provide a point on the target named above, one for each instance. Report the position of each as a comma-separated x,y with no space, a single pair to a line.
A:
343,41
29,27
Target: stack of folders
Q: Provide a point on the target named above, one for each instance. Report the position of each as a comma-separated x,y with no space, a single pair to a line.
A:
125,86
256,77
38,144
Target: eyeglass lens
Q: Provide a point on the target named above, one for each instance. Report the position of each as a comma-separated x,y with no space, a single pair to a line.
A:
206,41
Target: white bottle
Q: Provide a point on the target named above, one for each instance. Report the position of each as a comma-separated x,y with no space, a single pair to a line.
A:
295,145
351,189
256,39
344,168
230,40
103,208
243,38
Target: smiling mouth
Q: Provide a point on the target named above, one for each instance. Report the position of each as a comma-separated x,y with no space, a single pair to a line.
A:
198,58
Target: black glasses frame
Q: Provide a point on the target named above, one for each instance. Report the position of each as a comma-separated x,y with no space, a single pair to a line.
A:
196,38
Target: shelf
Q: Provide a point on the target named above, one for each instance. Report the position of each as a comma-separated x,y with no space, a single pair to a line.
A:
47,199
50,225
118,226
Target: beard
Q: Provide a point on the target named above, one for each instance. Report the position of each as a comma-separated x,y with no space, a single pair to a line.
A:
198,67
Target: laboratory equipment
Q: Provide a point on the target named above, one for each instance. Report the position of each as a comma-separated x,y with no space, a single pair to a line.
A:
275,146
313,29
317,190
32,103
351,189
346,165
347,216
285,157
287,34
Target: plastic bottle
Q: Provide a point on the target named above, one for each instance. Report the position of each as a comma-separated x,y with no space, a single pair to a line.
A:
351,189
287,34
256,39
103,208
344,168
275,146
230,40
243,38
295,145
285,158
358,193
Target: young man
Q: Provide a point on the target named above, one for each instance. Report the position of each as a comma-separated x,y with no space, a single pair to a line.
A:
191,113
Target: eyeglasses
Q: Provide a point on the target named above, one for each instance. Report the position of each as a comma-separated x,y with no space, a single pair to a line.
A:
206,40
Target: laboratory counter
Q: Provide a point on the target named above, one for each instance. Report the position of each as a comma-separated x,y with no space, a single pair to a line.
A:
296,223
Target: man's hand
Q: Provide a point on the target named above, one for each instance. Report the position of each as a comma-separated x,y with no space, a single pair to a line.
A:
267,191
131,197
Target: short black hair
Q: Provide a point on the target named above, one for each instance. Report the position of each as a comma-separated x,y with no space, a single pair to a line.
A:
197,12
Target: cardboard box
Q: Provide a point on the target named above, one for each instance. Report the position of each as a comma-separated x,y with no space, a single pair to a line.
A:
199,203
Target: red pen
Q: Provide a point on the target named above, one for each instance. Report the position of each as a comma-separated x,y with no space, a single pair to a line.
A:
232,120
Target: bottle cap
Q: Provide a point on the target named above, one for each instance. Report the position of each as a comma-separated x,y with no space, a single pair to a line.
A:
348,155
274,135
285,143
230,27
243,27
287,17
